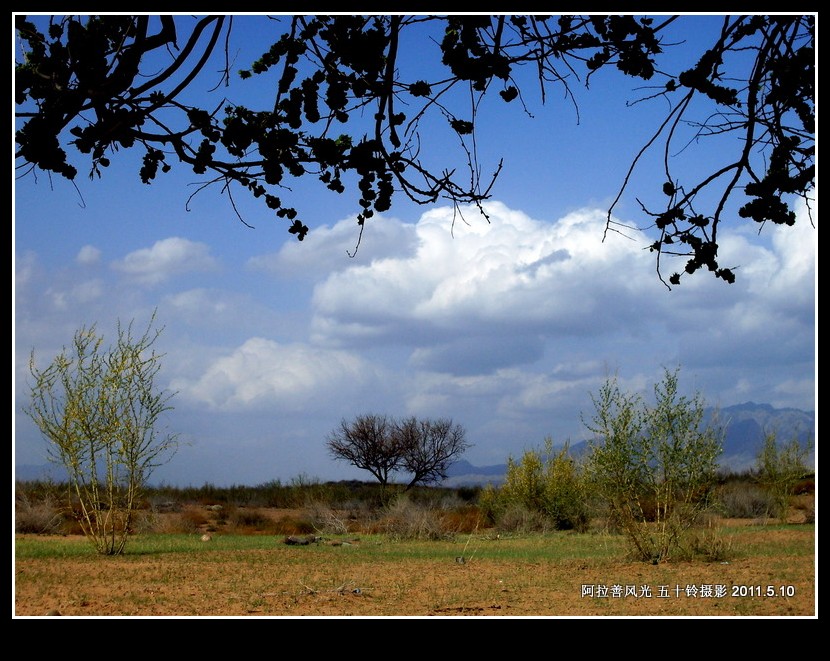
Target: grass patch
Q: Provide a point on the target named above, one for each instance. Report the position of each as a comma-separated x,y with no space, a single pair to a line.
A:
743,541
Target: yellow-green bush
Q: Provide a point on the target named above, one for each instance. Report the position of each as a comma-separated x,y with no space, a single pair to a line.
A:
544,481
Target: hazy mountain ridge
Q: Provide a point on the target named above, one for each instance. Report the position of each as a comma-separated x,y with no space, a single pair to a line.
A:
746,426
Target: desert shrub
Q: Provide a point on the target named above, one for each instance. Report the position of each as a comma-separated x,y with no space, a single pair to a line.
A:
441,498
345,507
708,543
194,518
72,520
742,500
78,518
42,517
403,519
516,518
465,519
290,524
307,490
142,521
328,521
351,494
174,523
805,505
159,504
275,494
302,492
805,486
245,520
469,494
350,517
241,495
218,516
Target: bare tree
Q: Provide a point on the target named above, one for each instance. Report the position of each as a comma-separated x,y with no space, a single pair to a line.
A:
425,449
367,443
429,448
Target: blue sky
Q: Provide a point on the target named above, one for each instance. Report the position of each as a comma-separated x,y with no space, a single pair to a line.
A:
507,327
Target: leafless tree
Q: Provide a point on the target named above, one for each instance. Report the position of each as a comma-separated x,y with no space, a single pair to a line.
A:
429,448
424,449
367,443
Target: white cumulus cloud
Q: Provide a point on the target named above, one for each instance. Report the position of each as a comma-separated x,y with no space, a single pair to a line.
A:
512,270
262,374
480,294
165,259
88,255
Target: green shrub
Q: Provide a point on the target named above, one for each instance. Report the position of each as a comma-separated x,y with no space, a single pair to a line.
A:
543,482
781,469
655,467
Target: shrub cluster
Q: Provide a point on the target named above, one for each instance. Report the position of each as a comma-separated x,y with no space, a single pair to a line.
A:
543,490
302,507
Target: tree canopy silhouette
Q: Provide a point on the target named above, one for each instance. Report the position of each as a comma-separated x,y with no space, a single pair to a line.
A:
423,448
342,112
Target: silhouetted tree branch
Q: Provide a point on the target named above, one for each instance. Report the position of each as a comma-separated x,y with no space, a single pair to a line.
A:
343,114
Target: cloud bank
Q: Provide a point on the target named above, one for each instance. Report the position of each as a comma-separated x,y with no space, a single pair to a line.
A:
505,323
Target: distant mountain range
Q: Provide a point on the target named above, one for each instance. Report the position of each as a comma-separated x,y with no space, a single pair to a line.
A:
746,426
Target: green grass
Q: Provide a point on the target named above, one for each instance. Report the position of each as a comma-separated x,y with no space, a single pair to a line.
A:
755,540
141,545
746,541
526,548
